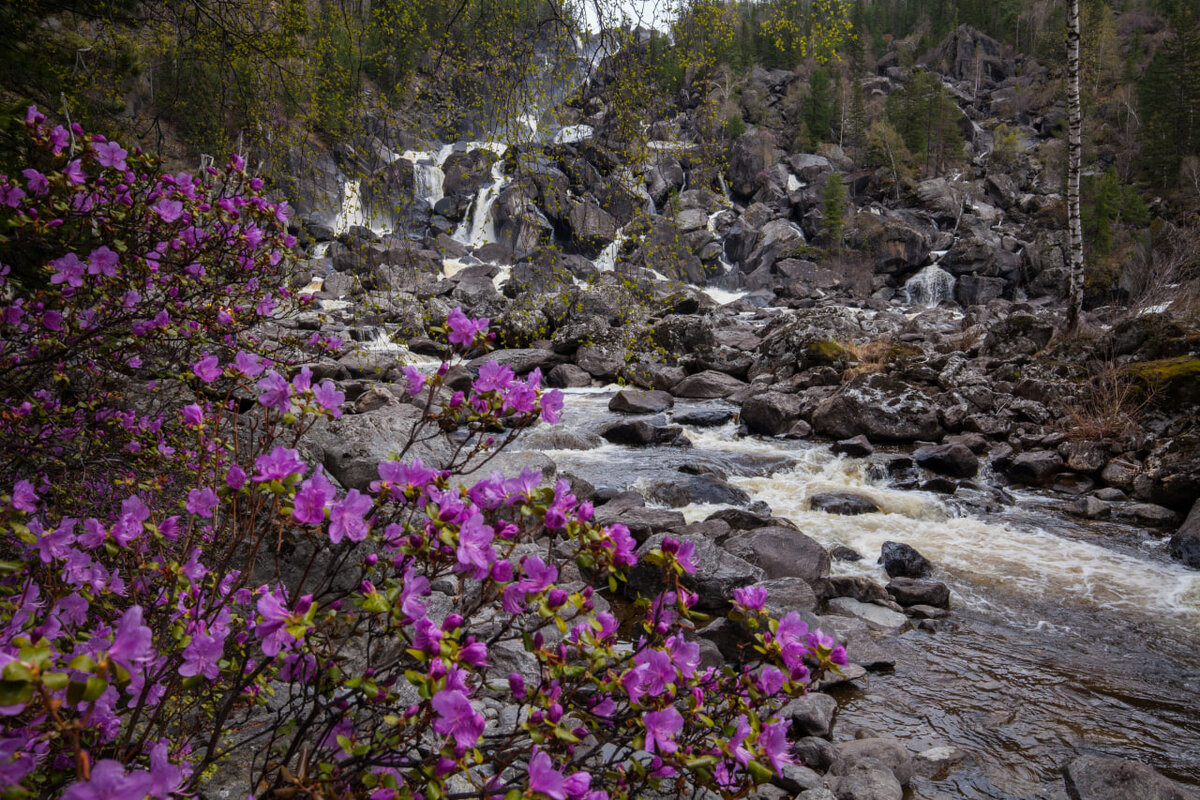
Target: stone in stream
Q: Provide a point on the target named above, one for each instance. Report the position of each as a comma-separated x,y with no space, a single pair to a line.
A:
1089,508
707,385
703,417
888,751
955,460
1036,468
881,407
640,432
782,553
1152,515
857,447
1185,544
910,592
846,504
1096,778
867,779
817,753
771,413
741,519
718,572
860,587
677,492
811,715
568,376
937,761
842,553
640,401
884,620
903,561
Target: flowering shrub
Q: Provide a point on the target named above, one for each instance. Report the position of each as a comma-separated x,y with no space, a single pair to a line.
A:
424,639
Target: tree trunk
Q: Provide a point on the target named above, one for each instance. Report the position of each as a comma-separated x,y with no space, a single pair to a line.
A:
1074,157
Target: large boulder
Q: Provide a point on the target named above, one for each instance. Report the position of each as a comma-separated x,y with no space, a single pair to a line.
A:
955,460
771,413
902,560
881,407
1036,468
707,385
782,553
846,504
751,154
352,447
637,401
717,574
1096,778
1185,544
591,227
890,752
684,490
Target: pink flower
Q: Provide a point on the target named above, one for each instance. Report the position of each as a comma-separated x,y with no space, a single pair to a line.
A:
457,718
475,553
111,154
346,517
201,655
192,414
36,181
544,778
201,502
463,329
207,369
168,210
58,139
415,380
552,404
276,391
661,727
110,782
68,269
102,261
278,465
24,498
131,644
74,173
309,505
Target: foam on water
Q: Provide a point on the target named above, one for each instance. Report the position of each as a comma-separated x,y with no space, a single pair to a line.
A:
722,296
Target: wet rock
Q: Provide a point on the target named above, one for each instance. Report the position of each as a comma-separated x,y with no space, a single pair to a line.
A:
811,715
567,376
1111,494
741,519
857,447
1185,544
704,417
604,363
1073,483
639,432
707,385
859,587
782,553
847,504
1120,473
884,620
842,553
867,779
771,413
903,561
927,612
880,407
955,460
940,486
1152,515
815,752
685,490
522,361
1085,457
639,401
352,447
910,592
642,522
819,793
890,752
1036,468
794,778
937,761
1096,778
718,573
788,594
1089,508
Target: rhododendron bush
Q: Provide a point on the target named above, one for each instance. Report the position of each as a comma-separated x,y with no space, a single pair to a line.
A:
184,598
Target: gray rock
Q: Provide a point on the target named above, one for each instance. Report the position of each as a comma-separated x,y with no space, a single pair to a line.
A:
819,793
902,560
1152,515
1085,457
1036,468
795,778
788,594
352,447
707,385
640,432
858,447
782,553
955,460
860,587
1185,544
521,361
890,752
771,413
880,407
642,522
867,779
846,504
639,401
909,592
937,761
1119,473
717,574
566,376
1089,508
815,752
703,417
687,489
1096,778
811,715
878,618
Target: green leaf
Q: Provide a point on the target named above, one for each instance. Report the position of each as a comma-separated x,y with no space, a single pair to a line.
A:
760,773
17,672
82,663
15,693
55,681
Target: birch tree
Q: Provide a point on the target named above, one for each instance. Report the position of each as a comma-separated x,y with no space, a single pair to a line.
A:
1074,157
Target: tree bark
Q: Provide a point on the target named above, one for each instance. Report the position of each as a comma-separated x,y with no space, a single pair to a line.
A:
1074,158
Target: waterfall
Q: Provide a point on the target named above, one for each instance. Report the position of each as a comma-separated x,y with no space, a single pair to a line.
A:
930,286
607,260
479,226
352,209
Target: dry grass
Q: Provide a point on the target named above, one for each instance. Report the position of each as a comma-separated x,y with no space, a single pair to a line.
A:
872,356
1110,407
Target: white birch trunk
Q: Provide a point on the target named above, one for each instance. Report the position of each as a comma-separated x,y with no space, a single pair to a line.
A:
1074,158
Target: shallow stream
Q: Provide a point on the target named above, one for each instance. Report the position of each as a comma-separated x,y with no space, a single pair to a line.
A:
1074,637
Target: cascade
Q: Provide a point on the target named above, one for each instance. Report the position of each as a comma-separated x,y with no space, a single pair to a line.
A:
352,210
930,286
479,226
607,260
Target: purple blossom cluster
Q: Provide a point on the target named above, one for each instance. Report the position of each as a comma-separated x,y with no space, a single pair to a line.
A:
219,592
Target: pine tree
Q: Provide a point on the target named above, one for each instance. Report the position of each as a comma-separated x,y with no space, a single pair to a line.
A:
833,210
